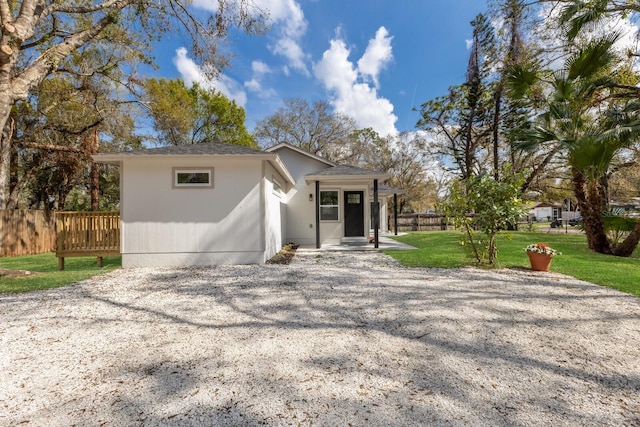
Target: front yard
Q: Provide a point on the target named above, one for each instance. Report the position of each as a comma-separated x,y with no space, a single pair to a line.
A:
443,250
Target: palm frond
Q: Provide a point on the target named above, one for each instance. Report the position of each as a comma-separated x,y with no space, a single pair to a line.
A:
595,57
520,80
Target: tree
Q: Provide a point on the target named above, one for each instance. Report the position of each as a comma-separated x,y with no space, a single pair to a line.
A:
39,38
487,204
461,118
590,120
62,123
405,158
314,128
194,115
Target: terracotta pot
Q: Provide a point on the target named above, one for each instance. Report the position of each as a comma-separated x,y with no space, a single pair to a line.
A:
539,262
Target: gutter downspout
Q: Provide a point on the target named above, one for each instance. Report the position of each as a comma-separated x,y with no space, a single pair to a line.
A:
317,214
395,213
376,214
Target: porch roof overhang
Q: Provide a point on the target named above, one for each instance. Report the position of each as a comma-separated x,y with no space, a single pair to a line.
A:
347,175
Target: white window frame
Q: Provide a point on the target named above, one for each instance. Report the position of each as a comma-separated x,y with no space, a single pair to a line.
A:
277,187
332,190
208,171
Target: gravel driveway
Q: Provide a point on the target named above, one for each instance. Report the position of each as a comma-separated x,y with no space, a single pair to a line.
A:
331,339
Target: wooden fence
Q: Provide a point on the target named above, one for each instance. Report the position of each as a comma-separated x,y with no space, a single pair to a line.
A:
87,234
422,222
26,232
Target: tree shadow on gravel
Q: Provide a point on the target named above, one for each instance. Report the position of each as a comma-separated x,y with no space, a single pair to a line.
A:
472,326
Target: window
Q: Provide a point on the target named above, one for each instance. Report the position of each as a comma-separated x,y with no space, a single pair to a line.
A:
193,178
329,206
277,187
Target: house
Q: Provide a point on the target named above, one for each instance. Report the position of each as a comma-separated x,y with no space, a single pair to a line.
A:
546,211
208,204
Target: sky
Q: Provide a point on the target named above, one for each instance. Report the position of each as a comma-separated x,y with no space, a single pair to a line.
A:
374,60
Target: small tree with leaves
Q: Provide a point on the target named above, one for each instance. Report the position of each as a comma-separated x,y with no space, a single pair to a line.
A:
486,205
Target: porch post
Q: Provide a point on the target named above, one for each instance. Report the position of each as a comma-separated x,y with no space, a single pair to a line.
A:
317,214
376,214
395,213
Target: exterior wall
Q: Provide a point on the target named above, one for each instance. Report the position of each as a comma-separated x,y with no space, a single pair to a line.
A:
275,211
165,226
300,212
543,213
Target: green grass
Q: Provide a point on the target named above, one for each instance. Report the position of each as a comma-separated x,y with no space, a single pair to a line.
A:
75,270
442,249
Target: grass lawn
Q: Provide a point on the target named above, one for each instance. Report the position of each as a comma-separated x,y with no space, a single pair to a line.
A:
442,249
46,274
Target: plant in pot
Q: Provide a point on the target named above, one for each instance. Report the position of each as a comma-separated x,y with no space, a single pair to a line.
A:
540,255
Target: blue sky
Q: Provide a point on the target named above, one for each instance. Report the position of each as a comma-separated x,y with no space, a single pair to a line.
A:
372,59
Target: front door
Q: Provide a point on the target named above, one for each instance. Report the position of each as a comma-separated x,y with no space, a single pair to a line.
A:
353,213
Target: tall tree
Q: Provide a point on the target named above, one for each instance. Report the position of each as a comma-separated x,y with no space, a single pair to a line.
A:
312,127
589,119
194,115
63,122
39,36
461,119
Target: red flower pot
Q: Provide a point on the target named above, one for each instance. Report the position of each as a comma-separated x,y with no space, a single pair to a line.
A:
539,262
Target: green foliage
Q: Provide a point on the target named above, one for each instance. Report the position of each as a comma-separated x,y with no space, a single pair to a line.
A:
482,203
183,115
441,249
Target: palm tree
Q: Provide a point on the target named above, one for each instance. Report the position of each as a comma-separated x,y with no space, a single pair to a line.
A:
581,120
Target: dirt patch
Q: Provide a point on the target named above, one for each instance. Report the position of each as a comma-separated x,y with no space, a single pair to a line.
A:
5,272
285,255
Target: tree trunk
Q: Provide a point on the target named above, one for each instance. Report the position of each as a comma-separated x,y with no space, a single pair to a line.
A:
590,199
6,102
626,248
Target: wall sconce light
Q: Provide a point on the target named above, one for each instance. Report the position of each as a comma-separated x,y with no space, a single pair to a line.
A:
310,197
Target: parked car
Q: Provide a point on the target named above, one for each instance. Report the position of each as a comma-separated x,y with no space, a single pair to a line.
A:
575,221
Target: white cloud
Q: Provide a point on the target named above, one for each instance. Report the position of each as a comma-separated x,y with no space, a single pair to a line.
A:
255,84
376,56
351,94
468,43
191,73
287,22
260,67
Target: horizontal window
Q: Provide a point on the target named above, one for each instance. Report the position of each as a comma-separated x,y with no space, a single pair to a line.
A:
193,178
329,205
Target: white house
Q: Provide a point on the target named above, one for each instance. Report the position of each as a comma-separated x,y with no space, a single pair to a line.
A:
207,204
546,211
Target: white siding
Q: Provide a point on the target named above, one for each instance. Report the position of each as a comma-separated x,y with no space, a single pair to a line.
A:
163,226
275,210
300,212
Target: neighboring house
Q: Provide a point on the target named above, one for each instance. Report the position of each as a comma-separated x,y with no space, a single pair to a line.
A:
546,211
207,204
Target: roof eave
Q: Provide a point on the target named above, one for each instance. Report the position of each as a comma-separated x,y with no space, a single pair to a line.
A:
346,178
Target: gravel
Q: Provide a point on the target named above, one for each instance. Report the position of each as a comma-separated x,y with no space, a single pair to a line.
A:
330,339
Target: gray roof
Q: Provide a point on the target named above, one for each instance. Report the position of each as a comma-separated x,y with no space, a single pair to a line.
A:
195,149
344,170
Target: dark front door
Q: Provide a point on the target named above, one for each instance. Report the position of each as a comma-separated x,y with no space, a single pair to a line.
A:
353,213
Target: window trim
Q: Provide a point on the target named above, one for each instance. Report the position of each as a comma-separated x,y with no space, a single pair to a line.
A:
178,170
277,187
332,190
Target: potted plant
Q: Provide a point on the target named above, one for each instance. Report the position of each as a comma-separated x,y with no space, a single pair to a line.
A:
540,255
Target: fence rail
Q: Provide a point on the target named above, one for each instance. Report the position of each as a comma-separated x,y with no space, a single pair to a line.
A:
422,222
87,234
26,232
